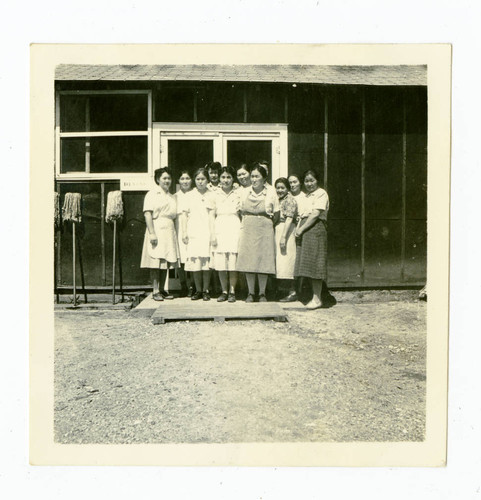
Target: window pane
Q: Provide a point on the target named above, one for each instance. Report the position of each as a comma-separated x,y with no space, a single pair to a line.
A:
118,112
239,152
118,154
73,113
72,153
100,113
189,154
107,154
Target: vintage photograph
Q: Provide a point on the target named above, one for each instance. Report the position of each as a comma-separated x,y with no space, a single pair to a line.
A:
239,253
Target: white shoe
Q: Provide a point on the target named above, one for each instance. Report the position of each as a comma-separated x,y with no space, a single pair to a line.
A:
313,304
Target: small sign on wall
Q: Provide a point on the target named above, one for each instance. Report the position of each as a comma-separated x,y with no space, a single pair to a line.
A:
137,183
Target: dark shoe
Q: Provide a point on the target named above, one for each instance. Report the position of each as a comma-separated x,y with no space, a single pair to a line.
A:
166,295
183,292
196,296
206,296
291,297
158,297
231,297
190,291
222,297
250,298
262,298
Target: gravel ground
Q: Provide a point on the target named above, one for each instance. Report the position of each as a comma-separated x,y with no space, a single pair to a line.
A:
354,372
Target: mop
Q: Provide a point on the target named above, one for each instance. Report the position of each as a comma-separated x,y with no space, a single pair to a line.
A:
115,213
72,212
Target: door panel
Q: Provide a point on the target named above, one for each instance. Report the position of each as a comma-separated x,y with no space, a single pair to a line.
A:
247,151
189,154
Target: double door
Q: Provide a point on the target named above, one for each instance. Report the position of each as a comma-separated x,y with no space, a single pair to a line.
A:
190,146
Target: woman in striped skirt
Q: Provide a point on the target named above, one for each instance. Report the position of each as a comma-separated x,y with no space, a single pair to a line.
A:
311,234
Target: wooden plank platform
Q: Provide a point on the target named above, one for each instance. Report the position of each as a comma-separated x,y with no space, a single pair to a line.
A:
181,310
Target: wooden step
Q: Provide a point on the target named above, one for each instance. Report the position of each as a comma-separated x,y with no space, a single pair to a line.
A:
177,310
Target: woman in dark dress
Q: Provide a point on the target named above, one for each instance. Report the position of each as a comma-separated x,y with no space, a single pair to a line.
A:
311,234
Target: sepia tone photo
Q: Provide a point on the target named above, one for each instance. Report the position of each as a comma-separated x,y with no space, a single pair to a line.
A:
239,256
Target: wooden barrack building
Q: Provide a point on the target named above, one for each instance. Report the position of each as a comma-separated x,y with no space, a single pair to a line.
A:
363,127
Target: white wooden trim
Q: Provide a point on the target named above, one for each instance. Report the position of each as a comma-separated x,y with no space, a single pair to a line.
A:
122,133
219,127
110,176
57,154
220,133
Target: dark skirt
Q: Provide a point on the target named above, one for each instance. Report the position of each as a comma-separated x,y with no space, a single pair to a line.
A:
256,245
311,254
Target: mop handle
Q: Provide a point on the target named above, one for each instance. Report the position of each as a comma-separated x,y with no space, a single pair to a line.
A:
113,262
73,265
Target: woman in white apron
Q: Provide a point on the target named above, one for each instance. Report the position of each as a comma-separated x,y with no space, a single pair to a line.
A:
160,250
285,238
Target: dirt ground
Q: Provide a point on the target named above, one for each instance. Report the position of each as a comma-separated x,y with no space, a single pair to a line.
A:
354,372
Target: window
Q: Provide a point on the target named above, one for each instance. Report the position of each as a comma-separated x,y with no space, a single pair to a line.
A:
101,134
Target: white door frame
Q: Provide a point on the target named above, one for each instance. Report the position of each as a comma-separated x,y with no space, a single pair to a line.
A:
220,133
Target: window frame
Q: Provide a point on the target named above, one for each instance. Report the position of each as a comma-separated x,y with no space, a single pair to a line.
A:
85,175
220,133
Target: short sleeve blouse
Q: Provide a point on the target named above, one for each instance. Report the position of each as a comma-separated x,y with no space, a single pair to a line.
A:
317,200
287,207
227,204
161,204
195,201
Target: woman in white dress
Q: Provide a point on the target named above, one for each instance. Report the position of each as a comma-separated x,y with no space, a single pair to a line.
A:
227,228
160,250
185,184
197,227
285,238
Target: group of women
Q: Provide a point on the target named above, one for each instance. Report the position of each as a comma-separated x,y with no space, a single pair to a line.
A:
233,221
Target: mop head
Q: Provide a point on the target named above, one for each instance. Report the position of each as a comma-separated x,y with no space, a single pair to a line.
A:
115,206
57,220
72,210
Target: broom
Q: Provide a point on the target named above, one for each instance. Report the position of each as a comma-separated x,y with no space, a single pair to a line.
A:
114,213
72,212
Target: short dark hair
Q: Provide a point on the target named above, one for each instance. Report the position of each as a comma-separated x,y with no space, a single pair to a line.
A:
214,165
260,168
159,171
201,170
228,170
283,180
297,176
184,171
315,173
